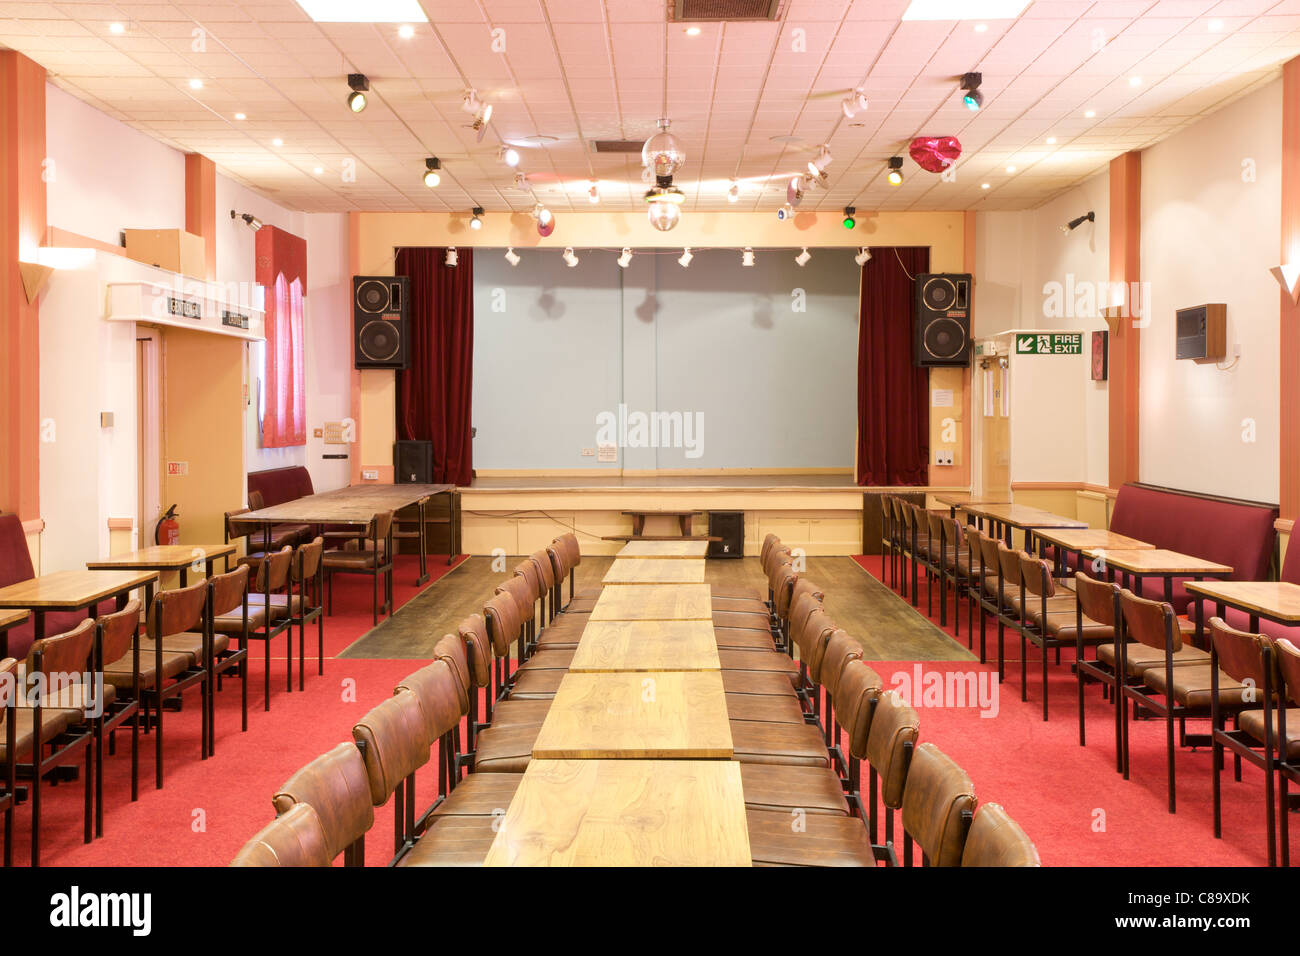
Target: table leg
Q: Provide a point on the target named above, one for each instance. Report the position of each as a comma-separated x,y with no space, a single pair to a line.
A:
638,525
185,576
684,522
1169,588
38,625
424,548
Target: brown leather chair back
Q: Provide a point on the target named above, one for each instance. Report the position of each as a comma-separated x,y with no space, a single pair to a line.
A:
178,610
528,571
1096,598
67,653
309,558
572,553
229,591
545,569
255,501
1286,657
1037,574
119,629
989,547
559,560
1009,562
9,686
811,639
937,802
336,785
953,543
1240,653
782,583
934,527
769,541
805,597
855,694
503,622
394,743
478,648
997,840
840,648
451,649
520,591
294,838
1150,622
893,733
273,571
434,686
777,557
380,525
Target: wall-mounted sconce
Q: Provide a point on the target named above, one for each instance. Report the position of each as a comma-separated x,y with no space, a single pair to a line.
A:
1288,277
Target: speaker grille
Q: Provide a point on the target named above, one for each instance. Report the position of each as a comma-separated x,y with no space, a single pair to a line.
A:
945,338
939,294
373,296
379,341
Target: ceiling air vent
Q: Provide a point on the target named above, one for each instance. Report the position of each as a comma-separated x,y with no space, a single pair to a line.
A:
617,145
725,9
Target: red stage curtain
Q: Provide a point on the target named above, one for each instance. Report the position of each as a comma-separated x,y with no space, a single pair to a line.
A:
433,394
893,406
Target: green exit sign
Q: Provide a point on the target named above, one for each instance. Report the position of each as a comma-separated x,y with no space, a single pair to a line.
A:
1049,343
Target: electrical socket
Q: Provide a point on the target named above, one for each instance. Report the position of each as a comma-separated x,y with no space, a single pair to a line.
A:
588,453
943,456
370,476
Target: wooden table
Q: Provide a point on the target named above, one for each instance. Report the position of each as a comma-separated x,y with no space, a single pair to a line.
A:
664,549
1005,517
164,557
1077,540
1277,601
629,716
73,591
957,501
638,646
8,621
1157,562
652,571
625,813
638,527
357,505
650,602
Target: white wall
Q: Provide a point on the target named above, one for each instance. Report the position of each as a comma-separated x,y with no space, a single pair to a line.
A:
107,177
329,342
1209,236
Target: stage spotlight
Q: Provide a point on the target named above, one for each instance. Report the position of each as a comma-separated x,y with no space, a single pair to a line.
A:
512,257
431,167
684,260
508,155
477,221
625,259
850,217
733,194
451,259
541,214
251,221
803,257
569,258
974,99
854,103
747,257
359,85
818,165
895,170
1078,221
863,256
593,194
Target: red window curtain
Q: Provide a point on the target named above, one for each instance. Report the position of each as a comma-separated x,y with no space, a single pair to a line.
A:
282,272
433,393
893,407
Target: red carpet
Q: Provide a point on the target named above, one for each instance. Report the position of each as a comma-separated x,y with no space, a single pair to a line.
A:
1068,798
208,809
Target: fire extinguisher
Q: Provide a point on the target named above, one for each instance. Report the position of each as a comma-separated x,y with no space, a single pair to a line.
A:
168,530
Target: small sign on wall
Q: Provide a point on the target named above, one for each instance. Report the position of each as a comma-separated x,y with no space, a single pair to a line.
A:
607,453
178,469
941,398
1049,343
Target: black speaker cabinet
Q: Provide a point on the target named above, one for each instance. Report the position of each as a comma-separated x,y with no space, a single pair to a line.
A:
729,527
941,327
412,462
380,311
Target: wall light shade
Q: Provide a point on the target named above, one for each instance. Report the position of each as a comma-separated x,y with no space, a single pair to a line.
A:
803,257
512,257
1288,277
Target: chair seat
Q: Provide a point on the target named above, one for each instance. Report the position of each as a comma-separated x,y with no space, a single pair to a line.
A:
505,749
119,672
536,684
740,619
772,787
1191,687
738,592
279,602
187,643
480,795
1055,605
580,605
738,605
764,707
549,659
587,594
1063,626
53,722
744,639
74,698
823,840
564,632
757,742
1252,723
1139,657
767,661
520,712
233,623
351,560
758,683
453,841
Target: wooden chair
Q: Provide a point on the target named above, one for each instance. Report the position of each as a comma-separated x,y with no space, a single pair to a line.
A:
306,572
890,743
8,715
117,639
1099,601
420,535
887,541
336,785
373,557
1286,659
261,619
997,840
394,744
938,805
295,838
228,600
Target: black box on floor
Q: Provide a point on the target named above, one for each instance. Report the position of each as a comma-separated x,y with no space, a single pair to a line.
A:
412,462
729,526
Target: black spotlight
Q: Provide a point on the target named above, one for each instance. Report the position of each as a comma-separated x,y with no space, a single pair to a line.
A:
850,217
974,99
359,85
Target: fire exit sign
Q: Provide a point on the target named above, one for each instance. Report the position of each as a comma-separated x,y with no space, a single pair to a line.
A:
1049,343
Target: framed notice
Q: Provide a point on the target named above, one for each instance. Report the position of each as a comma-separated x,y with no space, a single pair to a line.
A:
1100,355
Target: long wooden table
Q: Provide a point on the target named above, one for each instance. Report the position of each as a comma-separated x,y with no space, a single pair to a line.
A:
167,557
649,602
664,549
1003,517
652,571
636,646
357,505
1141,563
72,591
1276,601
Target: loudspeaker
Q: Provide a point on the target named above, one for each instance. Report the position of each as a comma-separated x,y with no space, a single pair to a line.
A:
380,307
412,462
941,328
729,526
